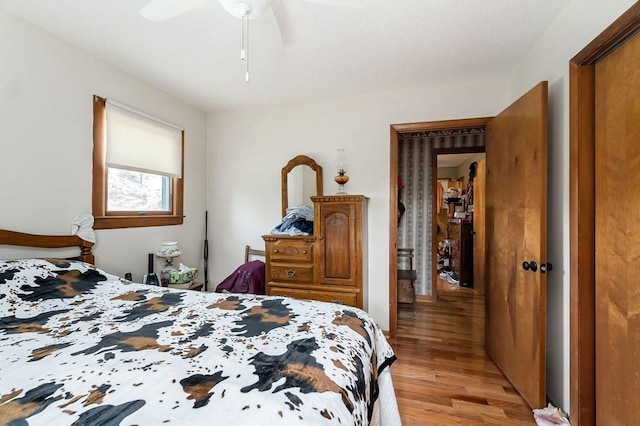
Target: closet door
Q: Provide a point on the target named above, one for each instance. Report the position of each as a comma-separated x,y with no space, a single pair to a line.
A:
617,236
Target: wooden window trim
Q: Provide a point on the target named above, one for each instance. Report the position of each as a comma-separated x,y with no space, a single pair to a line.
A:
104,220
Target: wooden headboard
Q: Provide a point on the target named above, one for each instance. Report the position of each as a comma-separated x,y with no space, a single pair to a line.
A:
48,241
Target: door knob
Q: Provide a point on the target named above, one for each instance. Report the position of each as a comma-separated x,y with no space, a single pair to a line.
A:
533,266
546,267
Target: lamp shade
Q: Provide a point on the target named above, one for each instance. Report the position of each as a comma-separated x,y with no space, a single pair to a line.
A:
341,167
341,162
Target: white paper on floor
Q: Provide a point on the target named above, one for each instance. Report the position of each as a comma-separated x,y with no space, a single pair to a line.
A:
550,416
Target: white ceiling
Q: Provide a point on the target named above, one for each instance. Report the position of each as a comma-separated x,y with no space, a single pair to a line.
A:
322,51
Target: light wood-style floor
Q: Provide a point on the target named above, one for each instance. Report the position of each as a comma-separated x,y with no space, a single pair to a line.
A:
442,375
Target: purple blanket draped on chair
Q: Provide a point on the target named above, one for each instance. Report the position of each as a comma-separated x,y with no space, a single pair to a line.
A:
247,278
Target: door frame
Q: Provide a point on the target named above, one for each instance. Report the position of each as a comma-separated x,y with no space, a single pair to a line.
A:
396,129
582,212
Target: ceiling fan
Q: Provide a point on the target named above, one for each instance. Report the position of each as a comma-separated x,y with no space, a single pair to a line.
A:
160,10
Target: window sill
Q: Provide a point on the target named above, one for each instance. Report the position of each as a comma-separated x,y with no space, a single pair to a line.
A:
114,222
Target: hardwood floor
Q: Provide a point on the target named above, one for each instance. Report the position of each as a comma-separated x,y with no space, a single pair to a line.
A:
443,375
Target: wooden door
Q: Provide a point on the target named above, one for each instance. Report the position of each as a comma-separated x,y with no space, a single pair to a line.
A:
479,191
617,237
516,206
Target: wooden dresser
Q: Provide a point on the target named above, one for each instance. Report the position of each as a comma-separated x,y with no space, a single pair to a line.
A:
461,236
330,265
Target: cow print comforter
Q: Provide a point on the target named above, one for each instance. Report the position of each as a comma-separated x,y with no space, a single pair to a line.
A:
81,346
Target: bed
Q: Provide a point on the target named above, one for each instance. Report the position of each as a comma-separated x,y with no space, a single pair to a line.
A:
81,346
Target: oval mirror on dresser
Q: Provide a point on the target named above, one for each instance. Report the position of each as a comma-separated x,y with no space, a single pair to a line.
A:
301,180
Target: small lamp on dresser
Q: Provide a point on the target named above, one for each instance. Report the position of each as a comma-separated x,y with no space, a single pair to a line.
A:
341,166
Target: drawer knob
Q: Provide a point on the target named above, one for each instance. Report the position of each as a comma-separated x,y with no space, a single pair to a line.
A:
275,250
304,252
290,273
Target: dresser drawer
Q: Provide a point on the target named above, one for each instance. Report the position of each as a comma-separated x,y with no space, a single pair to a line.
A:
290,251
323,296
292,273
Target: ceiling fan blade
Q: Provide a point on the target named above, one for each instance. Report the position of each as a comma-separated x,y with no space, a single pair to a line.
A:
160,10
283,21
343,3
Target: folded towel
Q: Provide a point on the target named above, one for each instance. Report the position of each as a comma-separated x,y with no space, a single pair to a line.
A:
82,226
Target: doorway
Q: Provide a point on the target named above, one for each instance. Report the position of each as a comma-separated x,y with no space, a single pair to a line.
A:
417,204
396,131
459,190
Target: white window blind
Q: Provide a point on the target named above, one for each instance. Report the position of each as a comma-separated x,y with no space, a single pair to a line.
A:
138,142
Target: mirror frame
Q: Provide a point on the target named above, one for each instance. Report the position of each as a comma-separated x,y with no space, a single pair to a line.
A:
300,160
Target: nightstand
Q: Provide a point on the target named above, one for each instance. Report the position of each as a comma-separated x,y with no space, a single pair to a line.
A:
196,286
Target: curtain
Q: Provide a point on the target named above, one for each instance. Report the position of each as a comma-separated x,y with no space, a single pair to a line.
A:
414,171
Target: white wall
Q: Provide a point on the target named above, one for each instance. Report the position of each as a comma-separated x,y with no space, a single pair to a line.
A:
248,148
548,59
46,89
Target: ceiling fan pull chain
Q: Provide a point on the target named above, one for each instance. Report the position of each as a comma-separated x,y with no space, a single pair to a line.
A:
242,47
242,10
247,52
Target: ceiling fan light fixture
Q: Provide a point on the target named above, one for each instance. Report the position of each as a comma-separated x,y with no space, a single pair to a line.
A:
238,8
242,9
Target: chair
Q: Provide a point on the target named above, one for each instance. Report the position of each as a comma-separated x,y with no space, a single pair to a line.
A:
406,278
248,252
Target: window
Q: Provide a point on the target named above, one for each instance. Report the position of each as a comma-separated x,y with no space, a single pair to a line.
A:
137,168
